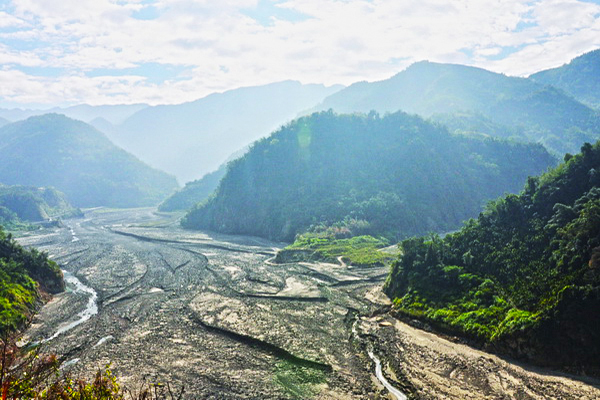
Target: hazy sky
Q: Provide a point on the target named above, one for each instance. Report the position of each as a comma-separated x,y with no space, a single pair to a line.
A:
60,52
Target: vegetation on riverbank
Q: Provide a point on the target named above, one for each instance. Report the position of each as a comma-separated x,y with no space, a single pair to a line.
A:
21,205
33,376
524,277
24,275
361,250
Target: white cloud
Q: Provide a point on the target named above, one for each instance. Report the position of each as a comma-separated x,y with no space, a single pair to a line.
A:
220,47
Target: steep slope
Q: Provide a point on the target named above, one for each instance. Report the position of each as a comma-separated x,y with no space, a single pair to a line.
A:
36,204
53,150
537,113
580,78
399,175
22,274
524,278
192,139
194,192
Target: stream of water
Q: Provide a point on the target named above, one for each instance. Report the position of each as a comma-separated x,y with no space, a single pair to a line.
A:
91,308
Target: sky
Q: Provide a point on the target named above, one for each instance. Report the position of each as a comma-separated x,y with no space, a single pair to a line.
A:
60,53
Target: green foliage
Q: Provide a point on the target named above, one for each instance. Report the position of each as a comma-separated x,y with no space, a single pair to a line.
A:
31,376
78,160
357,251
194,192
399,175
528,267
475,100
19,271
580,78
23,203
298,380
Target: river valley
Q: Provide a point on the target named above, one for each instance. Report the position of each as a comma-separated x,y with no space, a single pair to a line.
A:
214,314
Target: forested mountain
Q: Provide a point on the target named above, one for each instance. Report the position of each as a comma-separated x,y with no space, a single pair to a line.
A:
192,139
114,114
532,111
22,272
524,277
25,203
75,158
399,175
580,78
194,192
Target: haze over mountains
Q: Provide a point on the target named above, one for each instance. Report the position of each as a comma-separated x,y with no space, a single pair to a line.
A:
54,150
517,107
32,204
191,139
580,78
399,175
113,114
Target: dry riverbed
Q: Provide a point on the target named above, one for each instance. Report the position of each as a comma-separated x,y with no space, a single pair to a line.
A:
213,313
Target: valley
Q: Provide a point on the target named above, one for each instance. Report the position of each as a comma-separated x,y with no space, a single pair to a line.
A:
214,314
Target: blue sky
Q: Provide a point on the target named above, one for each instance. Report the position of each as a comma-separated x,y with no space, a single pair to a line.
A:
171,51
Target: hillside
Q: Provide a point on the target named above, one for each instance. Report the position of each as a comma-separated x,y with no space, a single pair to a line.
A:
194,192
75,158
192,139
22,274
580,78
33,204
535,112
523,278
395,176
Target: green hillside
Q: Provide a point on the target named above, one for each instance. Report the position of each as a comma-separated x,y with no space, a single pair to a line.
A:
194,192
396,176
75,158
580,78
523,278
22,274
532,111
31,204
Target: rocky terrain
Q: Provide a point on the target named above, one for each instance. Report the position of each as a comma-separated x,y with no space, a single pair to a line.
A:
216,315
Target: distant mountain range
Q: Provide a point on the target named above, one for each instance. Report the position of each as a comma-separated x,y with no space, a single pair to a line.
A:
580,78
113,114
397,176
54,150
553,107
192,139
520,107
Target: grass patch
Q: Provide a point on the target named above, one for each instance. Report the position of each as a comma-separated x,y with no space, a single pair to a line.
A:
301,382
358,250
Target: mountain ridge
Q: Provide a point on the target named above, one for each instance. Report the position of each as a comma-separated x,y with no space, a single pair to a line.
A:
80,161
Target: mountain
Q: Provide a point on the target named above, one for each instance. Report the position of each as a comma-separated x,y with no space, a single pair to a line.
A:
394,176
580,78
115,114
33,204
75,158
191,139
3,122
194,192
524,277
533,111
